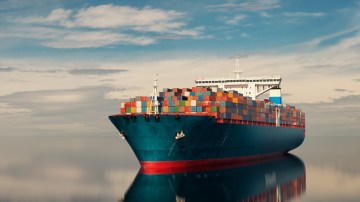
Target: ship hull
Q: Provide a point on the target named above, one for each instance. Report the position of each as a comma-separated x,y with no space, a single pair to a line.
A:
205,142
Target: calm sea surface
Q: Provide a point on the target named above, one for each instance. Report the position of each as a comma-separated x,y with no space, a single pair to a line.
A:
105,169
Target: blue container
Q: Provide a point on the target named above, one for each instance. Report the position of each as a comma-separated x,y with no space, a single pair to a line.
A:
193,109
201,97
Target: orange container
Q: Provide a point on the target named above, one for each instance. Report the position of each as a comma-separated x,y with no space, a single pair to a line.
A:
182,109
208,109
165,109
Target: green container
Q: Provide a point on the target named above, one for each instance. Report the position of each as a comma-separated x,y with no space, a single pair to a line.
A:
214,109
182,102
176,109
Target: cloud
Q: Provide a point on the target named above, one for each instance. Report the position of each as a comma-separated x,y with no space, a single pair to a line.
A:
245,35
103,25
340,116
96,71
265,14
7,69
96,39
236,19
110,16
58,16
320,66
357,80
256,5
82,71
340,90
8,109
303,14
57,112
315,42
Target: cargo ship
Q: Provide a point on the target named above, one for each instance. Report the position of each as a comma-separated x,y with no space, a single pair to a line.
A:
279,179
218,121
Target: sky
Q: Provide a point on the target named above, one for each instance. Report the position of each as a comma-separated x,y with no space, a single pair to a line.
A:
66,65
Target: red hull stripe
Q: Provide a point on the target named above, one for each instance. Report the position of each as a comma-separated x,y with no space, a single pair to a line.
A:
166,167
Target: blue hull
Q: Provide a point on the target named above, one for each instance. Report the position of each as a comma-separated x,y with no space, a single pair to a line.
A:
154,140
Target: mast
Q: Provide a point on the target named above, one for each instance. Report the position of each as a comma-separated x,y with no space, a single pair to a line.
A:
237,71
154,101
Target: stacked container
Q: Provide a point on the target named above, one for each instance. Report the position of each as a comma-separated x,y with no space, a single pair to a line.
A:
226,106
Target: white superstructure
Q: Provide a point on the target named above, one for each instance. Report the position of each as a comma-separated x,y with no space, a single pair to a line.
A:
252,86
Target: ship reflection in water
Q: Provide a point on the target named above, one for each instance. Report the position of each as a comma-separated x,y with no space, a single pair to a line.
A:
279,179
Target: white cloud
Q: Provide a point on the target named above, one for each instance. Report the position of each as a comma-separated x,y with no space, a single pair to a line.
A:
265,14
236,19
110,16
256,5
110,25
244,35
96,39
303,14
63,98
57,16
8,109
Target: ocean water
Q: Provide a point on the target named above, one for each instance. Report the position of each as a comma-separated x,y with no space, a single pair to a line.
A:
69,168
